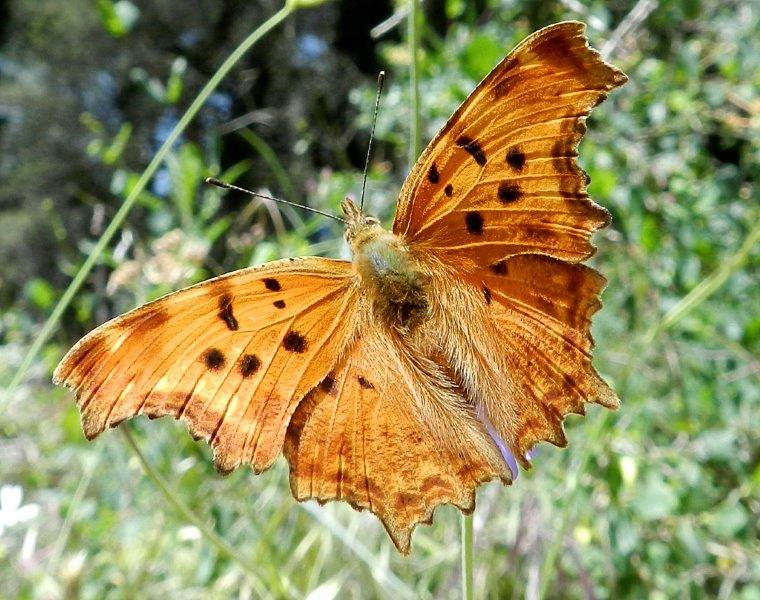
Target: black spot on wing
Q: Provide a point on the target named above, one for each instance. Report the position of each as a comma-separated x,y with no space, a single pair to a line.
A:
500,268
508,192
433,175
272,284
474,222
516,159
214,359
327,385
249,365
473,147
279,303
487,294
294,342
225,312
448,190
364,383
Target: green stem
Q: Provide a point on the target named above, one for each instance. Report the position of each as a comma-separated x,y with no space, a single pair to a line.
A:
707,286
270,158
467,575
413,39
172,499
158,159
415,147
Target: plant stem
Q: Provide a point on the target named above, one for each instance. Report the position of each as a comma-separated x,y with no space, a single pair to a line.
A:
415,148
187,513
92,259
413,40
707,286
467,575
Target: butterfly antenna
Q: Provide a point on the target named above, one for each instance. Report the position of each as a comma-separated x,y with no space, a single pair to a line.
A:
380,80
228,186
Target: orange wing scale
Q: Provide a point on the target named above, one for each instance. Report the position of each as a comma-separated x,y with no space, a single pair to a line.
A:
231,356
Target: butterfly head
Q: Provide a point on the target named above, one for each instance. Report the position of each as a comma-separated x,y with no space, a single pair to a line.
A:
360,228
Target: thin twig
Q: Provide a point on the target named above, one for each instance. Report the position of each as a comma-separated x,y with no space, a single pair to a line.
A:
707,286
630,23
391,22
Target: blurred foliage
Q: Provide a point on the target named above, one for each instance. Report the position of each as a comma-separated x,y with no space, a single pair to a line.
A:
659,500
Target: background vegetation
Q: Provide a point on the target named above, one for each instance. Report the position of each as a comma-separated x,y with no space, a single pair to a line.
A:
659,500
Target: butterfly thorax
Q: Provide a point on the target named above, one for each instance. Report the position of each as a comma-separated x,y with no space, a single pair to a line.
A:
395,282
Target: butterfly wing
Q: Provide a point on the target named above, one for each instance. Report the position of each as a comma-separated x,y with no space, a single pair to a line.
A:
231,356
501,178
498,198
541,309
386,431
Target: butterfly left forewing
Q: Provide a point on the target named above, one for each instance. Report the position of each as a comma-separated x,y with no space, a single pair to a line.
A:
231,356
501,178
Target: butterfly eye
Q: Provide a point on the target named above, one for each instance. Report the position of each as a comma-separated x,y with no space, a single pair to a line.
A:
371,221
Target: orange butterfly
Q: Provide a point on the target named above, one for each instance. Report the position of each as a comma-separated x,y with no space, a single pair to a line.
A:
434,361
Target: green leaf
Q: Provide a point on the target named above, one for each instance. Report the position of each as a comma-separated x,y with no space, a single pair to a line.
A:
729,520
174,85
186,171
115,149
480,56
655,498
40,293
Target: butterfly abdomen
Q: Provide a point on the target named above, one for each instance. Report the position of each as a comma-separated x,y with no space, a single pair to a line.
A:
399,288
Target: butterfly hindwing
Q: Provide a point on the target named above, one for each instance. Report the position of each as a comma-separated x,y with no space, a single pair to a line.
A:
541,308
231,356
385,433
501,178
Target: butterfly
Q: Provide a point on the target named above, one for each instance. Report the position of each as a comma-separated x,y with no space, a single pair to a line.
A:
432,362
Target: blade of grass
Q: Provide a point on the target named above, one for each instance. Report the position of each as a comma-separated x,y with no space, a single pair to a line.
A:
413,36
467,574
188,514
76,500
52,322
269,156
384,577
571,489
708,286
